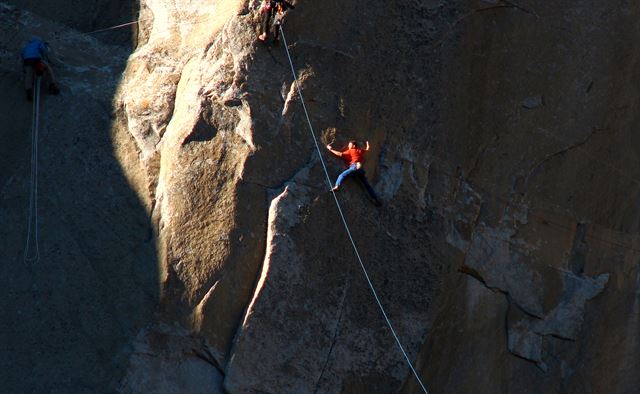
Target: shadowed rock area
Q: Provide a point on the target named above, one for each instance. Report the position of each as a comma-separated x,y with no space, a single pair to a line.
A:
189,243
67,320
86,16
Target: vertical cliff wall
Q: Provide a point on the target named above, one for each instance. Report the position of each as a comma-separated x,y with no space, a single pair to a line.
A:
67,320
85,17
543,106
190,244
243,214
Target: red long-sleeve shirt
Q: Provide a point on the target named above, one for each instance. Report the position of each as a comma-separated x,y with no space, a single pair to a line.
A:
352,156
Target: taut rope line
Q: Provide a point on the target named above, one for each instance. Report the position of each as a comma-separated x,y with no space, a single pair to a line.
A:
344,221
118,26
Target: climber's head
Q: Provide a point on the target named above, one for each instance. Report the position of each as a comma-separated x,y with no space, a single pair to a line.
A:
352,144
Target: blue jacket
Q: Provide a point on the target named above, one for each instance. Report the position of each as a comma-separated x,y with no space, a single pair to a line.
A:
35,49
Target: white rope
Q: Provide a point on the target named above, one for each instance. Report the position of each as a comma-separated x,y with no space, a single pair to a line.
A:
344,221
32,227
118,26
188,23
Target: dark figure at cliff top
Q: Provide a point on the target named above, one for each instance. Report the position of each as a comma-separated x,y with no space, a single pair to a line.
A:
275,9
36,62
353,158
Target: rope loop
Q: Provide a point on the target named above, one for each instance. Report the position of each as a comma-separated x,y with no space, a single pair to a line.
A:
33,256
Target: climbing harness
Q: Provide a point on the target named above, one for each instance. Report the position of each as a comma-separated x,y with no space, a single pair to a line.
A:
32,252
344,221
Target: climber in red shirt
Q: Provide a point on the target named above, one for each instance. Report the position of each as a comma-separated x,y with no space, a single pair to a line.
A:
353,158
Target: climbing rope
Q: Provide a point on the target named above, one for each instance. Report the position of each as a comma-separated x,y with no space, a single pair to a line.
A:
118,26
33,256
344,221
161,32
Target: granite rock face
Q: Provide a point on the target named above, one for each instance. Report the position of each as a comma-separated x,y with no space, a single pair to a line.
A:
85,17
541,136
67,320
236,189
190,245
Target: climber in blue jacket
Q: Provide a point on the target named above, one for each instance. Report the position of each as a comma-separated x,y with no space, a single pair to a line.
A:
36,61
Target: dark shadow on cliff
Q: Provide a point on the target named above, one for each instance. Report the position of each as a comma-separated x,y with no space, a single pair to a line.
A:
87,16
66,320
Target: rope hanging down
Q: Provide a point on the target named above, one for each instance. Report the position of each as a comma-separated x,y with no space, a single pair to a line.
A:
344,221
32,256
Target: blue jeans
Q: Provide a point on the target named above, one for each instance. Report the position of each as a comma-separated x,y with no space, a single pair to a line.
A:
360,174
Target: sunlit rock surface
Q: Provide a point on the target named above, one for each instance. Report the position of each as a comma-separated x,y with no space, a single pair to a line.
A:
189,242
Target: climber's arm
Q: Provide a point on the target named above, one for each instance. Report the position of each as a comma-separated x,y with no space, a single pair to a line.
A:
335,152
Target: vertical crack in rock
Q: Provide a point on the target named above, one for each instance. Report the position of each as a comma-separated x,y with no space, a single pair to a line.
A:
480,155
577,145
579,250
280,296
288,99
282,217
275,195
346,286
